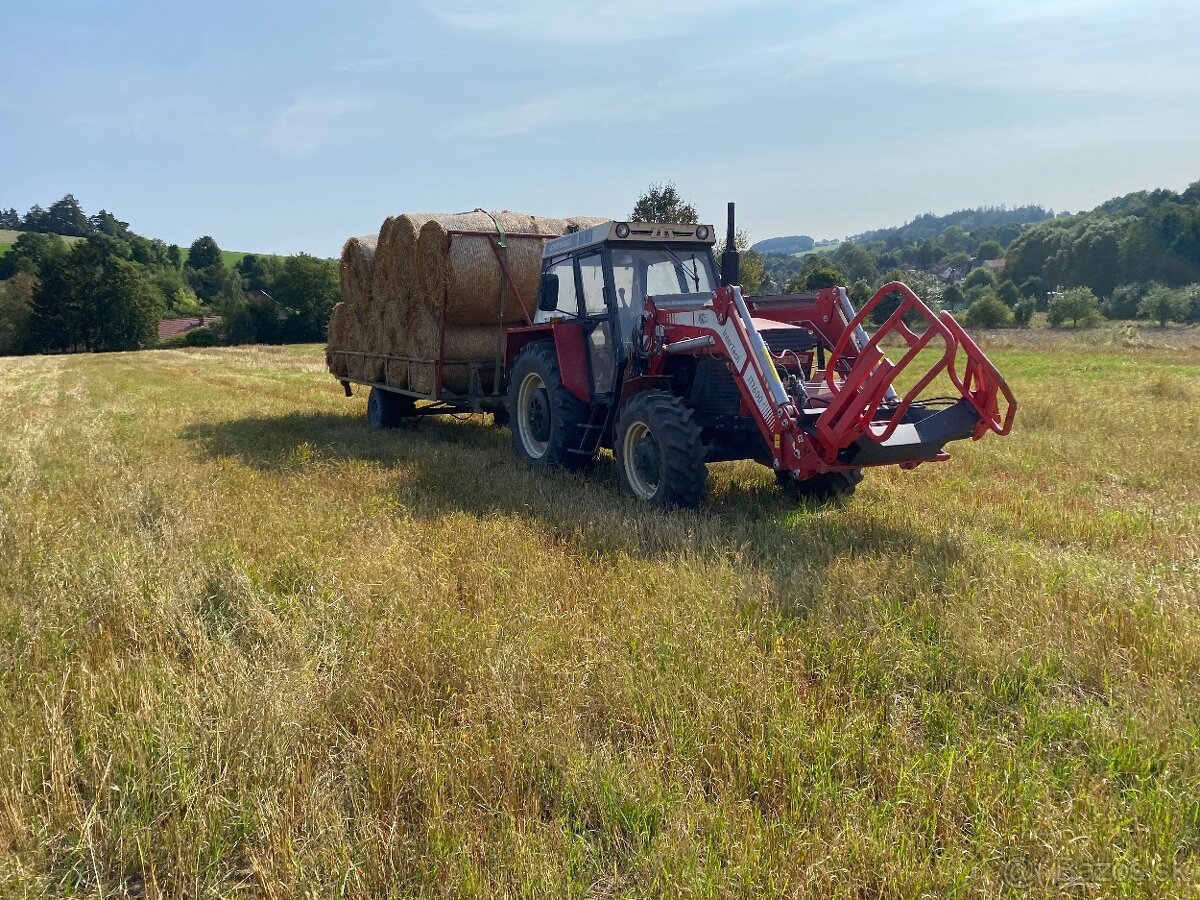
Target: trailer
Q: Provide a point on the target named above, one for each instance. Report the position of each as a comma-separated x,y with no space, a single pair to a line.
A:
394,399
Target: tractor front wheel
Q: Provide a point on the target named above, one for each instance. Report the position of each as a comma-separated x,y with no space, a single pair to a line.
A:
387,409
821,488
543,415
660,455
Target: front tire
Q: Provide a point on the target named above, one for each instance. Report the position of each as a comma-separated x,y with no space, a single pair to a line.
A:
387,409
543,415
822,488
659,451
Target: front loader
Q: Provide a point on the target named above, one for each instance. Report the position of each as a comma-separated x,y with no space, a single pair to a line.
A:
637,348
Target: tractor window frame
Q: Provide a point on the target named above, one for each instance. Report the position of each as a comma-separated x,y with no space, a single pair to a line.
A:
564,284
586,309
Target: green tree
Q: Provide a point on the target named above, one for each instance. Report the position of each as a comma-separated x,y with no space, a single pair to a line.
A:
1023,311
815,277
663,203
1125,300
63,305
953,297
259,272
205,268
989,311
980,277
855,261
106,223
30,253
989,250
129,306
1008,292
66,217
1078,305
861,293
1163,305
16,313
306,290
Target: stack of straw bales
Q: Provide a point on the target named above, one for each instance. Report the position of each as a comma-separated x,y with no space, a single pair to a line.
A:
394,287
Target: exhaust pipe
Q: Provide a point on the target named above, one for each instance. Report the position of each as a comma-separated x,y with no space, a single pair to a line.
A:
731,261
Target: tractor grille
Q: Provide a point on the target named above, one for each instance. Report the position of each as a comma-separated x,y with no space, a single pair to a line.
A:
713,390
780,339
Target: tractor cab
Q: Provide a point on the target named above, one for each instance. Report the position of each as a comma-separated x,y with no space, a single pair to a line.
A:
599,278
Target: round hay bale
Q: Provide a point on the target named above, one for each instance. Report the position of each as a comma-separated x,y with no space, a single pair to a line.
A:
396,258
358,254
468,270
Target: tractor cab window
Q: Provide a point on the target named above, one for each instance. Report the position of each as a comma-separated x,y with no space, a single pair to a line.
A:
642,272
568,302
591,276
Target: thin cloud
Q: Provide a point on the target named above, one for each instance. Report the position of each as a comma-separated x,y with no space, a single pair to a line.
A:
599,109
378,62
123,123
615,21
312,122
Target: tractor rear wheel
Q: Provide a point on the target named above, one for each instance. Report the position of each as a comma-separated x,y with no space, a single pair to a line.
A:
824,487
659,451
543,415
387,409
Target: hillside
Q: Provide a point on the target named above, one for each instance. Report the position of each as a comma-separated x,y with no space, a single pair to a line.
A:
8,237
232,258
251,648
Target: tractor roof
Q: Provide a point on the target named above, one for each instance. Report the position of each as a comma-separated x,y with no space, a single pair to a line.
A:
627,232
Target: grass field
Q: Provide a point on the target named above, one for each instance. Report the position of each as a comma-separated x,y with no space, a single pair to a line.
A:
250,648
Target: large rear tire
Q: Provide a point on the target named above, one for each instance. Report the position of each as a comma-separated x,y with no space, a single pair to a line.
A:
659,451
543,415
823,488
387,409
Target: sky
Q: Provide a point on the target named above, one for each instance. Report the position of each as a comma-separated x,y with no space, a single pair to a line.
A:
288,126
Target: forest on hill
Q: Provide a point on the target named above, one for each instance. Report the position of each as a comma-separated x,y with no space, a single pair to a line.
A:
73,282
1136,256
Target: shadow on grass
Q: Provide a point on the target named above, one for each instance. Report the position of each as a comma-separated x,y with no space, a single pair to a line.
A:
445,465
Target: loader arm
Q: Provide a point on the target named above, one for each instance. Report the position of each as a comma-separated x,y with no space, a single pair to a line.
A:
849,414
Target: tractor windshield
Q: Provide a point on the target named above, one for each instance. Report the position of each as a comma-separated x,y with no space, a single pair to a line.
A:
642,272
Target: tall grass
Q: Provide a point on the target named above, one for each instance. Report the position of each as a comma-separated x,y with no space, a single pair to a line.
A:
250,648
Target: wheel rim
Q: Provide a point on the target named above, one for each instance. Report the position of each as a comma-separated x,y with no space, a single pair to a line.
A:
642,460
533,415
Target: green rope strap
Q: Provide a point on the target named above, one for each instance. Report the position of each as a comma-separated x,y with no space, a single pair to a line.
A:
502,243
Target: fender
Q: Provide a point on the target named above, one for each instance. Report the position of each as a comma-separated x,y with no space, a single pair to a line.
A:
569,346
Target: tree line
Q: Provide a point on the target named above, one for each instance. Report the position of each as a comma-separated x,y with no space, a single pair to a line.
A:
1136,256
109,289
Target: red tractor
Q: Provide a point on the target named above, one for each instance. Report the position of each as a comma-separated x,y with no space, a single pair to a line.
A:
637,348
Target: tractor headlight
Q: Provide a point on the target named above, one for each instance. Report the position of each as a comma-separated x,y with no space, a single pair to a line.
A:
623,230
702,232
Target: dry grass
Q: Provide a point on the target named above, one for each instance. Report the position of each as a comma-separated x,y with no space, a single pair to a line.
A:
249,648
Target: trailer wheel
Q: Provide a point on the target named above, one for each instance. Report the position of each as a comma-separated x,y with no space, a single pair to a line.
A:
660,454
543,415
387,409
823,488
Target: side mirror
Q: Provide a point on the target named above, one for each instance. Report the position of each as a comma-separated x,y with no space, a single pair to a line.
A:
548,292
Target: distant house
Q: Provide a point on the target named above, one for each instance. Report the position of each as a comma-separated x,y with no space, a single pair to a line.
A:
995,266
169,328
948,274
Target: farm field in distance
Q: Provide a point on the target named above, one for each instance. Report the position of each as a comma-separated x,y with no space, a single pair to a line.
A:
251,648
